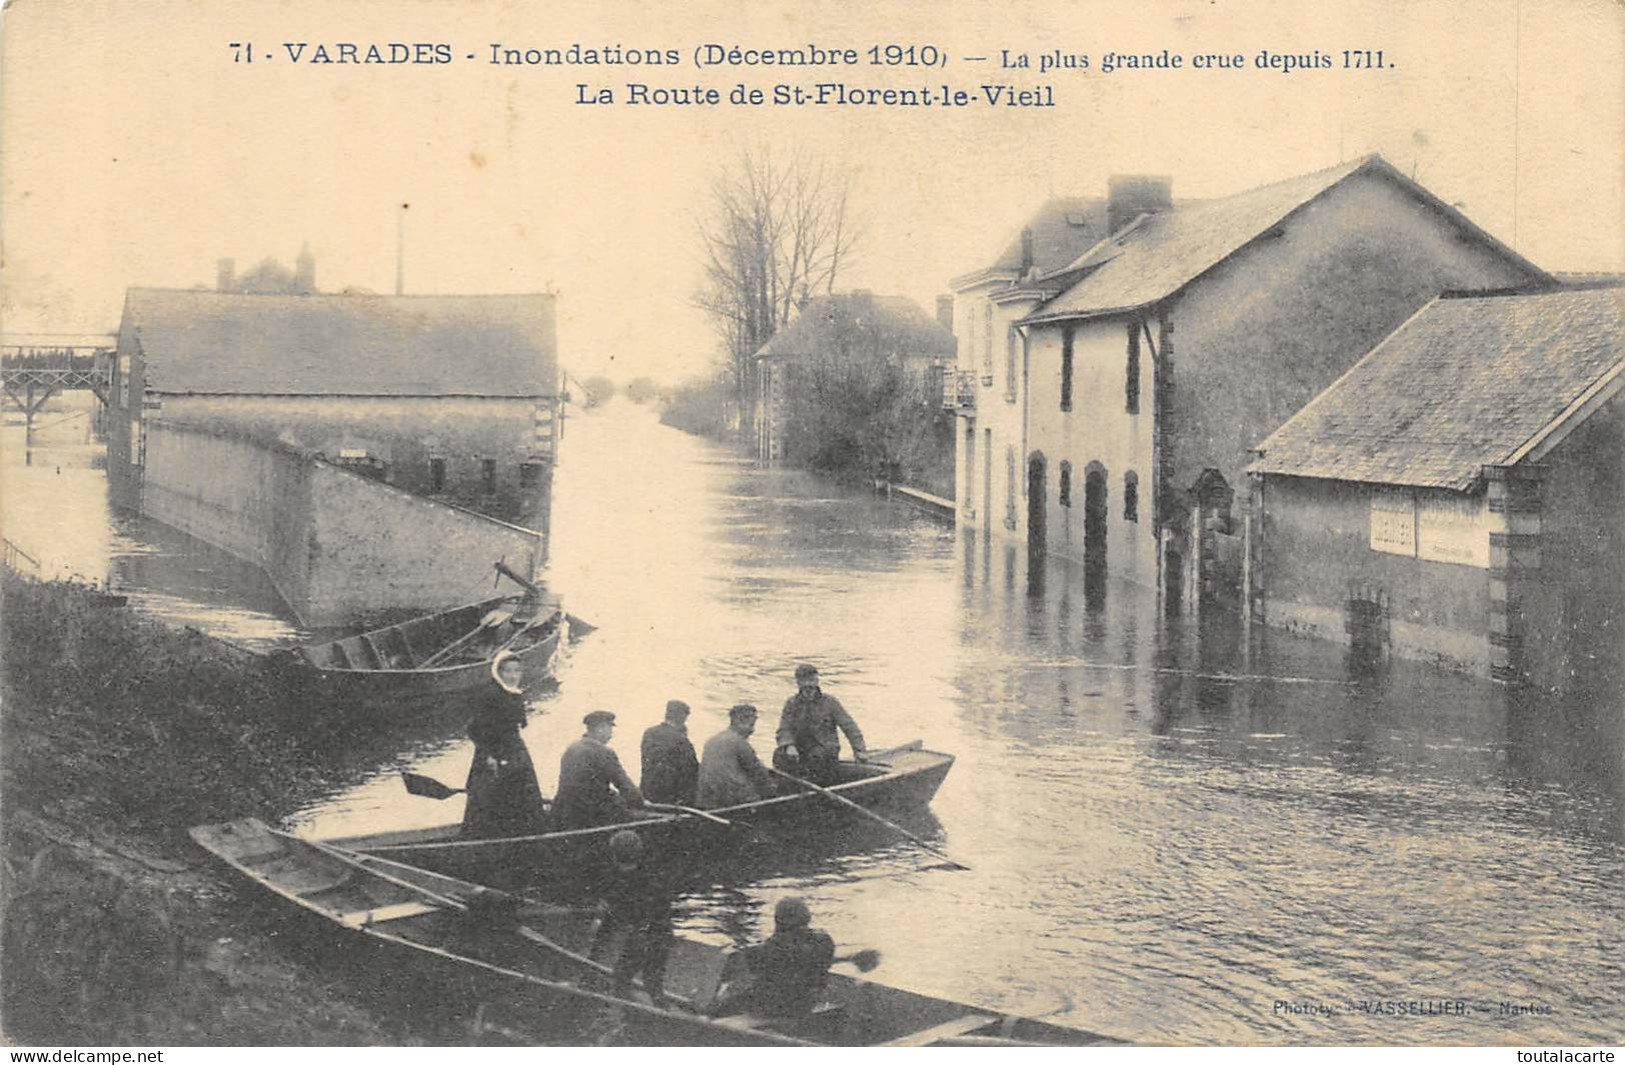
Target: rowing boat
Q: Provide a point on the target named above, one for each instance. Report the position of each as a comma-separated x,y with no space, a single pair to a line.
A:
522,960
899,778
436,656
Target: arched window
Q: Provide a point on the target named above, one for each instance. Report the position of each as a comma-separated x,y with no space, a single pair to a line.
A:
1131,496
1066,483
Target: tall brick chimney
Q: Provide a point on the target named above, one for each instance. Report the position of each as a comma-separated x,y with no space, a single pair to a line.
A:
945,312
1130,195
225,275
1026,249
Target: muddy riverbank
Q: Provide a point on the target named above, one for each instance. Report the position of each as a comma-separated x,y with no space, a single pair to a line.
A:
118,733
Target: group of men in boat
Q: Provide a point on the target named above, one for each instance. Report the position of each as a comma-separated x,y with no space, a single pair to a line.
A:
504,798
782,976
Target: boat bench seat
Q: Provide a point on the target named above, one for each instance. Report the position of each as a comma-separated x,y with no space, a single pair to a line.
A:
754,1021
958,1026
392,912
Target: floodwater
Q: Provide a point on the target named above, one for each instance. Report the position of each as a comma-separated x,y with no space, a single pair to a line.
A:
1174,837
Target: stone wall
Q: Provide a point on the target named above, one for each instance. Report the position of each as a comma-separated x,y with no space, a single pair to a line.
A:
1315,559
336,545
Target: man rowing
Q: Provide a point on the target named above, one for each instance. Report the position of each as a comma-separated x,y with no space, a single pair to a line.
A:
730,772
593,788
806,743
784,975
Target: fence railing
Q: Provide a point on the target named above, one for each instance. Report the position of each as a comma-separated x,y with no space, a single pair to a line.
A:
16,559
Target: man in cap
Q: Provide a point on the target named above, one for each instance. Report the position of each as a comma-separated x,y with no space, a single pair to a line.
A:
806,744
635,933
730,771
587,773
784,975
670,769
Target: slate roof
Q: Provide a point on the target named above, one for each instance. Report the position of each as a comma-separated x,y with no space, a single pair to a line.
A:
904,326
221,343
1466,383
1163,252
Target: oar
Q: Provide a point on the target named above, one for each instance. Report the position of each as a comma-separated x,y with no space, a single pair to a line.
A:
428,787
865,811
864,960
691,811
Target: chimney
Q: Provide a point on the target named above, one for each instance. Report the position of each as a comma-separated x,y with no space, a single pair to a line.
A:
945,312
1130,195
225,275
1026,249
304,273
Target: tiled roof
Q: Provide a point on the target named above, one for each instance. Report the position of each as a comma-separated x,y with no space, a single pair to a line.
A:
1166,250
1063,229
900,326
1465,383
210,342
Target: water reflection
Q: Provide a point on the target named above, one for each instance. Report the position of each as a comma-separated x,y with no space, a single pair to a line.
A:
1171,826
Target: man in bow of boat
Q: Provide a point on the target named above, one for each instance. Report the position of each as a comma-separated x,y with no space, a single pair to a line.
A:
784,975
504,798
806,744
730,772
634,934
588,772
671,771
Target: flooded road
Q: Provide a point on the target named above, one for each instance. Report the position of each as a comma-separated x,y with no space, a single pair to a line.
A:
1173,837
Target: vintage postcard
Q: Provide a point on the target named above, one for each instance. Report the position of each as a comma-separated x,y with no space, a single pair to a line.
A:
773,524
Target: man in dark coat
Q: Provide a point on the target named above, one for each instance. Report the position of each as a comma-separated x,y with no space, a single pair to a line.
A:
806,744
671,772
504,798
634,935
587,773
784,975
730,772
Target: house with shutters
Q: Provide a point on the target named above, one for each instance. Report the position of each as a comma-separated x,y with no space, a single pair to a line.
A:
1121,359
1458,496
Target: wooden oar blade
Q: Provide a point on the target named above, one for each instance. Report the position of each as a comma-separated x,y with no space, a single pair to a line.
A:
427,787
866,960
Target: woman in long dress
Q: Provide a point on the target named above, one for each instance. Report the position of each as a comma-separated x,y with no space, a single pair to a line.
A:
504,798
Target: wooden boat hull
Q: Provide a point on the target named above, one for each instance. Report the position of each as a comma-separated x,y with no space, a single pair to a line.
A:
564,862
526,960
372,669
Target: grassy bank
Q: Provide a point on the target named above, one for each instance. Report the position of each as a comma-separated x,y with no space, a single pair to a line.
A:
116,734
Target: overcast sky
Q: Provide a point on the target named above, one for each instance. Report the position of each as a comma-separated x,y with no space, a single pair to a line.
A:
135,152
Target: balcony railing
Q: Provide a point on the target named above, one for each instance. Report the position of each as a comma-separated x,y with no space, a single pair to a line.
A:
959,390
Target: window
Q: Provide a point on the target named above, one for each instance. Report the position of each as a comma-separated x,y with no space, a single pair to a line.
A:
1131,496
1009,488
530,474
987,339
1066,368
437,475
1131,378
1066,483
488,475
1010,365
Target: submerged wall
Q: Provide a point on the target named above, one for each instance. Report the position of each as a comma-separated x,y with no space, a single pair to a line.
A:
335,544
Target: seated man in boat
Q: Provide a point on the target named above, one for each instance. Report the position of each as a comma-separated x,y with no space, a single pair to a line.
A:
593,788
671,771
504,798
730,772
634,934
806,744
784,975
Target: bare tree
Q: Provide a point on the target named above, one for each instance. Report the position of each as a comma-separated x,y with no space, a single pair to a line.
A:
774,235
